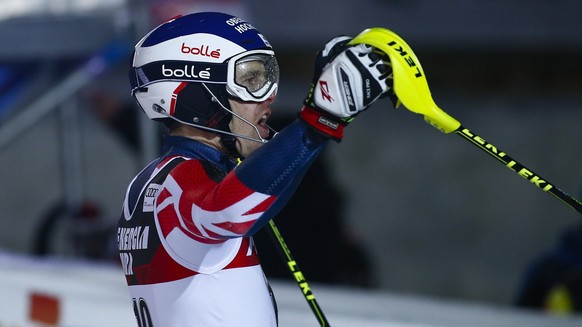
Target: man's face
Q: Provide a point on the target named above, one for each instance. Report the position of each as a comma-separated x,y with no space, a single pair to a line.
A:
256,115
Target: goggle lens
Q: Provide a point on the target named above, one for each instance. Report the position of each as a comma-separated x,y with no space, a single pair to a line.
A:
258,74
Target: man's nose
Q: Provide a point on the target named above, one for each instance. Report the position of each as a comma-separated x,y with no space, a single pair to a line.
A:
272,97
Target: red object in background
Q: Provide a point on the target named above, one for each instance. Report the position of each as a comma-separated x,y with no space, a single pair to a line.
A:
44,309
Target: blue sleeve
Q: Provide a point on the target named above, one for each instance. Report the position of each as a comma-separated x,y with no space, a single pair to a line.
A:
277,167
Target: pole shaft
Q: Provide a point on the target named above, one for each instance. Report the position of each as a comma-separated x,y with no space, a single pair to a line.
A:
519,168
297,274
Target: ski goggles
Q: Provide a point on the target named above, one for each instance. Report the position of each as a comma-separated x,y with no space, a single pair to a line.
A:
253,75
250,76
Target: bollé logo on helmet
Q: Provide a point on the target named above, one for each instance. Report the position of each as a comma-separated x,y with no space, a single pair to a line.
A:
202,51
189,71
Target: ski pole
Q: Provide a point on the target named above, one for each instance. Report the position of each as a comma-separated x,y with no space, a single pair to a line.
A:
411,88
297,274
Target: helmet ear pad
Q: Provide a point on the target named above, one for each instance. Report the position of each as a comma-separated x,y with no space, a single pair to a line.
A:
196,105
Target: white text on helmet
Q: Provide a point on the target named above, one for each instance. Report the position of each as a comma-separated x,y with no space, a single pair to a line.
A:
244,27
240,25
188,71
233,21
202,51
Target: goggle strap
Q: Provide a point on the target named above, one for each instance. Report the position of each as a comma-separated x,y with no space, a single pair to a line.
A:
177,70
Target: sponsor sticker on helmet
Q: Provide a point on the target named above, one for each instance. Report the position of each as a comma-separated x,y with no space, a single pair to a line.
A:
202,50
239,24
264,40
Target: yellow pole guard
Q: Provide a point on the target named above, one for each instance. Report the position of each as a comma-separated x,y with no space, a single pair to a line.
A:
410,84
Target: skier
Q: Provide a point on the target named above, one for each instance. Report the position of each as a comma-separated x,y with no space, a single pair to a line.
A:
185,233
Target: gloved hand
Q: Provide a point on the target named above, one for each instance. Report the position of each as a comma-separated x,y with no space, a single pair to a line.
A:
346,81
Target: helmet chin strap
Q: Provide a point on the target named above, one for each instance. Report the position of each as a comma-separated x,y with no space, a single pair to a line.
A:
258,139
261,140
228,138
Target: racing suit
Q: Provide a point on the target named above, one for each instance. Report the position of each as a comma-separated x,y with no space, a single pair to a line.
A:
185,233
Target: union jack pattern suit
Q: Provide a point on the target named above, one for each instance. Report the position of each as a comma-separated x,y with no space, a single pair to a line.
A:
185,234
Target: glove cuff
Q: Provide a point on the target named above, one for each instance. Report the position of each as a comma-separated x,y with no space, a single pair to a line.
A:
330,127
